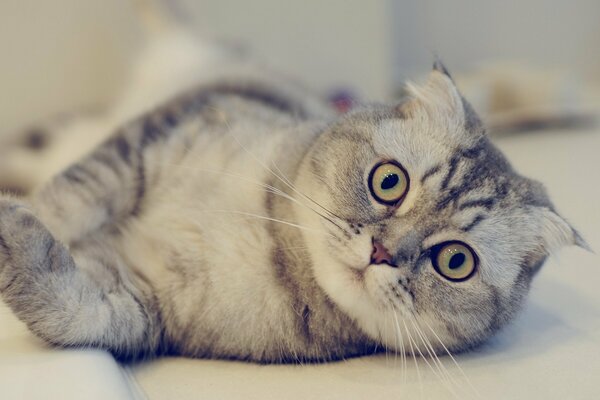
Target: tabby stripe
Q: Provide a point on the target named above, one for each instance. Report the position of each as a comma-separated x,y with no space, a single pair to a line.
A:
84,175
4,246
474,223
451,171
72,177
430,173
144,311
151,131
468,183
153,308
108,161
8,284
486,203
123,148
157,125
472,152
305,326
496,316
266,97
450,198
141,185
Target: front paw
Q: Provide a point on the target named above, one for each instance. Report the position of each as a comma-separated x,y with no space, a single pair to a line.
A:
22,238
8,209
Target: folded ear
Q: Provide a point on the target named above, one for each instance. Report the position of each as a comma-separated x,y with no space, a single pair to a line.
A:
440,100
439,66
554,232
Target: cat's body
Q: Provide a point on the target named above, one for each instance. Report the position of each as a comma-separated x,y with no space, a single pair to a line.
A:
239,221
223,141
216,276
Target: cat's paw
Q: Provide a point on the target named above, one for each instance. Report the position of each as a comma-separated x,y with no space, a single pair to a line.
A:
12,214
25,243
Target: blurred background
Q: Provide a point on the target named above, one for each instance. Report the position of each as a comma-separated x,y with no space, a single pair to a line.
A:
521,62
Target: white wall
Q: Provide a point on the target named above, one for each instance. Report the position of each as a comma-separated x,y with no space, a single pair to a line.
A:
548,33
64,53
60,54
326,42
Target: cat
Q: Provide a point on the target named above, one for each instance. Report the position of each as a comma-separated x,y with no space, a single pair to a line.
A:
244,220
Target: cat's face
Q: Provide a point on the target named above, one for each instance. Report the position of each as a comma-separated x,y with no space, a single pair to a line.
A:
429,232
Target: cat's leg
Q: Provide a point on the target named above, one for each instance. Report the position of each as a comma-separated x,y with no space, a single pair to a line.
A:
91,193
111,184
87,298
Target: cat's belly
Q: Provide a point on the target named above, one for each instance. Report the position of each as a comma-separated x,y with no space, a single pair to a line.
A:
204,242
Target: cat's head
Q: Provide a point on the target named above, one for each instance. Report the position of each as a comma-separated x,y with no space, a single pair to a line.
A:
426,230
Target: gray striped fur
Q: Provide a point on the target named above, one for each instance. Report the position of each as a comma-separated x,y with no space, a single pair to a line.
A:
235,222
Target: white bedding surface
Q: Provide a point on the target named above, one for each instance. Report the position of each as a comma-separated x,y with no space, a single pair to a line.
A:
551,352
31,370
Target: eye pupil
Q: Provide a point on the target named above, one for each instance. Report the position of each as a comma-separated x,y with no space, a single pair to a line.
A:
456,261
389,181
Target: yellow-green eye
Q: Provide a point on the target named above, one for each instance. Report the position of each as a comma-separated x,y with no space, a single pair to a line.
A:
388,182
455,261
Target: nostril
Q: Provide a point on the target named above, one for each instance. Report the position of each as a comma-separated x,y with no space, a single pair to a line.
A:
381,255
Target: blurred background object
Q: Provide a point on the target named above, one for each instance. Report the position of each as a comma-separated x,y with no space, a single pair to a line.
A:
513,58
517,97
60,55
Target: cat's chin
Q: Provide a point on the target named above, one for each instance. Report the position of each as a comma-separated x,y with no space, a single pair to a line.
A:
364,291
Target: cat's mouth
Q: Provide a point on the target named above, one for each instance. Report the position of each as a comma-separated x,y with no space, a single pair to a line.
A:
381,255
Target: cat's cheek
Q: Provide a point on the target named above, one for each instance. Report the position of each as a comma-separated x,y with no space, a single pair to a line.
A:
359,254
379,280
355,253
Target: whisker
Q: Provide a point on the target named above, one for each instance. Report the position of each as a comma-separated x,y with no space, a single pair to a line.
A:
402,349
410,342
284,181
385,346
294,248
306,196
285,195
444,376
425,358
268,188
397,340
258,161
269,219
462,372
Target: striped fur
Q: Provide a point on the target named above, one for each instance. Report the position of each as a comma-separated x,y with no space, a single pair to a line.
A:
235,222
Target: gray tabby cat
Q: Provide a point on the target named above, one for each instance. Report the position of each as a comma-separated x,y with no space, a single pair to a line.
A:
244,221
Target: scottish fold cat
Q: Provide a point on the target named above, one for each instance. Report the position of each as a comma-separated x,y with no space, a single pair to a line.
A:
244,220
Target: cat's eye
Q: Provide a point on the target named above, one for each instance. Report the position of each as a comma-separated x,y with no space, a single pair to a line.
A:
455,261
388,182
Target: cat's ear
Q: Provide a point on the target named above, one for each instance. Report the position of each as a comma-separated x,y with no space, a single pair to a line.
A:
440,100
553,233
556,232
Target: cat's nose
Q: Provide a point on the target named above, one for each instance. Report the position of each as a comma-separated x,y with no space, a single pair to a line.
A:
381,255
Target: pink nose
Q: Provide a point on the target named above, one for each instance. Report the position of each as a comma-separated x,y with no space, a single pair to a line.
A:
380,254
